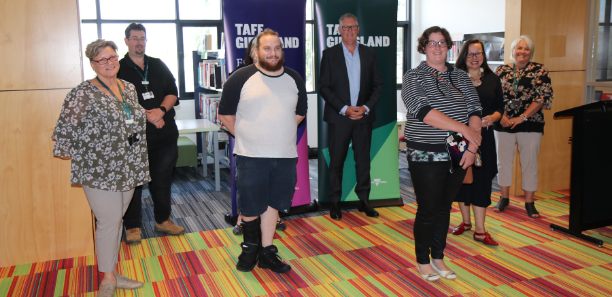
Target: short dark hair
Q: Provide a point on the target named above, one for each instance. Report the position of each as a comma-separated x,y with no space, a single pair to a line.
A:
461,60
136,27
424,39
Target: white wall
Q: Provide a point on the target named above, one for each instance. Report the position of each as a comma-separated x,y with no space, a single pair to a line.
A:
464,16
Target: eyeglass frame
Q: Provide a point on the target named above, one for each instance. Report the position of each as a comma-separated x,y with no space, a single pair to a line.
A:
433,44
142,39
352,28
472,55
115,57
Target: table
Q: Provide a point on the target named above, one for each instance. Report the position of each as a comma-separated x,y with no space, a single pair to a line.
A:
203,127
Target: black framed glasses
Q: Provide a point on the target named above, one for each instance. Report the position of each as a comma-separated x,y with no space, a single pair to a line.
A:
105,60
349,28
474,55
433,44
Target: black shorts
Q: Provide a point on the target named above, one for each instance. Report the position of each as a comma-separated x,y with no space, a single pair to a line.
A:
264,182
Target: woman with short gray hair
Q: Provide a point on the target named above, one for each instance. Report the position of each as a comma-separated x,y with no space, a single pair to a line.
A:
527,89
102,128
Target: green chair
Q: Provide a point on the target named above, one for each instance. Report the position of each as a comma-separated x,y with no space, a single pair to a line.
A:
187,152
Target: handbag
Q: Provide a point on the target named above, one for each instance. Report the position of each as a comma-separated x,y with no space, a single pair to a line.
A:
457,144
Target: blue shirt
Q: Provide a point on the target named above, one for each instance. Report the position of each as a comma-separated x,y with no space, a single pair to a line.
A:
353,68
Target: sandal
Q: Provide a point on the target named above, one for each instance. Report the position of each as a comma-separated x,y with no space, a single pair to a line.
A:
461,228
531,210
501,205
488,240
237,230
280,225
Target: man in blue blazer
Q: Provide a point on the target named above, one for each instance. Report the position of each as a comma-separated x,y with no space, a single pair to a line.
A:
350,83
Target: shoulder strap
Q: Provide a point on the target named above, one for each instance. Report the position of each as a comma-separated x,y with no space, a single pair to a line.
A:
449,85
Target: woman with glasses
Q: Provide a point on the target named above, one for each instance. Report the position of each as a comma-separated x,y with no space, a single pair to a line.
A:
439,99
527,89
478,194
102,128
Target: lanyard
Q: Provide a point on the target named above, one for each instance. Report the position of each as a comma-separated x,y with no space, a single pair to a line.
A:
517,78
145,76
126,107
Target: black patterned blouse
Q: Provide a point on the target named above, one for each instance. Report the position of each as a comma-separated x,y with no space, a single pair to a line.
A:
92,129
533,86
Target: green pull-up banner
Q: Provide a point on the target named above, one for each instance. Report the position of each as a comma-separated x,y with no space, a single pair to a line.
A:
378,29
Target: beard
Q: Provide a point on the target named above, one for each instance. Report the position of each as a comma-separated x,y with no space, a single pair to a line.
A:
263,63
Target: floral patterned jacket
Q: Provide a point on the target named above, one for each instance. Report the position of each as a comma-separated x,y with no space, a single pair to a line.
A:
533,86
92,129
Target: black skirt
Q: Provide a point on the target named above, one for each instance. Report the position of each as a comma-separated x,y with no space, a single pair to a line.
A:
479,191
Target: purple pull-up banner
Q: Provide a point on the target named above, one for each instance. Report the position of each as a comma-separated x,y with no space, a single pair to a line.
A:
242,21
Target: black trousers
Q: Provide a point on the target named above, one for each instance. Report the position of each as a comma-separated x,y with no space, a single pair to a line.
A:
340,136
161,167
435,188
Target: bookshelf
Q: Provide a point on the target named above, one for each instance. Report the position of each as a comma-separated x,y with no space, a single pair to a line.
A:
209,77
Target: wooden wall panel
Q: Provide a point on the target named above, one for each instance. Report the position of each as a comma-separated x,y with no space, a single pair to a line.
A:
555,152
39,44
558,28
513,26
42,216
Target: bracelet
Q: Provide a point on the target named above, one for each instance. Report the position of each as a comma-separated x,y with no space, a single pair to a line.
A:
470,151
523,117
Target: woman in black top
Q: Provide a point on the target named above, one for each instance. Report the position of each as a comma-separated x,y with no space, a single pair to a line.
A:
478,194
439,99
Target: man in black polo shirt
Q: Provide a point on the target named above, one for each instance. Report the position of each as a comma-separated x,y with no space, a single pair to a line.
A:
157,93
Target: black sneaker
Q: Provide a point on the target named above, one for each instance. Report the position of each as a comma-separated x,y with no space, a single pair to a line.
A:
269,259
248,257
281,226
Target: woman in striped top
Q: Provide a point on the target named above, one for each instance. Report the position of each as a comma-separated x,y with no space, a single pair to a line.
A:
439,99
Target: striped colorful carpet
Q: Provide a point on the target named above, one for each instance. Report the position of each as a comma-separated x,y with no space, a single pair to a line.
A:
357,256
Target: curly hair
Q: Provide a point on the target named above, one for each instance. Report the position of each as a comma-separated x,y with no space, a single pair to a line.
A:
424,39
94,48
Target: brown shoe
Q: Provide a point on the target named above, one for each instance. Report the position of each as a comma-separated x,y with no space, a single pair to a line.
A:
169,227
133,236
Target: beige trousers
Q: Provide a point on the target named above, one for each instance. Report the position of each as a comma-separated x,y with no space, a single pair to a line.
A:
529,148
109,208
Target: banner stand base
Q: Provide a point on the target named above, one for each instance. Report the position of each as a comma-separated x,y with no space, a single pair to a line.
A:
300,209
373,203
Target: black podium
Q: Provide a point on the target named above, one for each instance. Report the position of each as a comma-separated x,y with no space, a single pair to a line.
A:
591,182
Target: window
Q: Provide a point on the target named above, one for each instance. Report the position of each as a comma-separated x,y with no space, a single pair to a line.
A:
403,39
599,61
184,24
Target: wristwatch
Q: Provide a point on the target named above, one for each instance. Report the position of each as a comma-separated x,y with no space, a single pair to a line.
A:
164,109
523,117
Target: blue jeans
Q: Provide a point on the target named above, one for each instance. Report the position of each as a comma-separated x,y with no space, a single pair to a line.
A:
264,182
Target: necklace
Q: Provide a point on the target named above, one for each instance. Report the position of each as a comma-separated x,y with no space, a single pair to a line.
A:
476,80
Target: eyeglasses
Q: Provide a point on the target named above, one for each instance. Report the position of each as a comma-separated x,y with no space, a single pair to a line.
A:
432,44
349,28
105,61
136,39
474,55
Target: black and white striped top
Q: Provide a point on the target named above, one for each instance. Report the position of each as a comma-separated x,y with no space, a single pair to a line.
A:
423,91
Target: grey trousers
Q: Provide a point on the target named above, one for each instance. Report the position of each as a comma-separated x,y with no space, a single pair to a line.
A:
109,208
528,144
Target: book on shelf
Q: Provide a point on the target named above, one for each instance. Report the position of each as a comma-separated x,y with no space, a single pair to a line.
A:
209,107
211,74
